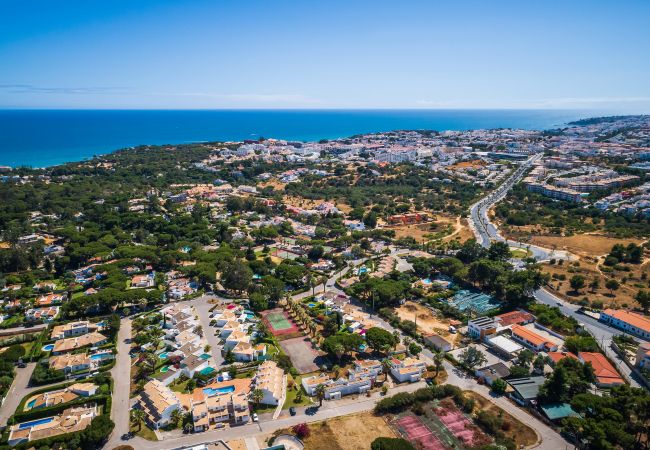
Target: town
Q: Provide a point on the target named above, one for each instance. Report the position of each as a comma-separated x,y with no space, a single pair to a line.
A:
272,294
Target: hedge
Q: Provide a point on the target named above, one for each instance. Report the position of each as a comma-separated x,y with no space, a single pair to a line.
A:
100,399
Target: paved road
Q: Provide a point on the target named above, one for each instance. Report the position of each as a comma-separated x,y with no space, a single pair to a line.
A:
172,440
121,374
22,330
600,331
16,392
486,232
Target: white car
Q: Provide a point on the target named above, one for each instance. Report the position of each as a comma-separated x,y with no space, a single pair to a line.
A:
255,418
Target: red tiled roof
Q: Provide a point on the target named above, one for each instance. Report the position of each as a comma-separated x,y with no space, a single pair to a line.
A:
603,369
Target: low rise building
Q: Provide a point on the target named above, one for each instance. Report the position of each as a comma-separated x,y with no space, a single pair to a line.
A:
605,372
407,370
532,340
71,420
158,402
643,356
627,321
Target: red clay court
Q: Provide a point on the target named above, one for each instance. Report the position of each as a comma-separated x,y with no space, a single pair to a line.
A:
414,430
279,323
459,425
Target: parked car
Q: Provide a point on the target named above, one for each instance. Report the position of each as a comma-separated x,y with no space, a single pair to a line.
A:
292,411
255,418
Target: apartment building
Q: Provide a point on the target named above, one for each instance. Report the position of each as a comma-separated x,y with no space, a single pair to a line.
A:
72,329
158,402
556,192
270,379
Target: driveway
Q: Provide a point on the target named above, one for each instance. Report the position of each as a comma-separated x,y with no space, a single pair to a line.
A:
203,310
121,374
16,392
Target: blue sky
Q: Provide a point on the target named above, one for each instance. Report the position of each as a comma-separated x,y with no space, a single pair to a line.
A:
326,54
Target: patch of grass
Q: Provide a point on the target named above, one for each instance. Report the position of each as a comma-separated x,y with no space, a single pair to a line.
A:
144,432
292,393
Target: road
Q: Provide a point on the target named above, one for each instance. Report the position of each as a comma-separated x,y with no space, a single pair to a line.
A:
203,310
486,232
121,374
600,331
16,392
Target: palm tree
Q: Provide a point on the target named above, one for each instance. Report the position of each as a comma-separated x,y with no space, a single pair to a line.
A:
176,416
385,367
256,396
438,358
339,351
319,392
149,362
136,417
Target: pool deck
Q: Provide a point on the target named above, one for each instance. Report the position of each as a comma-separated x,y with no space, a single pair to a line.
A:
242,385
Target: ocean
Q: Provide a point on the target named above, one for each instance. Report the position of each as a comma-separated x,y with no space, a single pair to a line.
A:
41,138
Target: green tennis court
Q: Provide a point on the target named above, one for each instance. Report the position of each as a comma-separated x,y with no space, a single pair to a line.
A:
279,321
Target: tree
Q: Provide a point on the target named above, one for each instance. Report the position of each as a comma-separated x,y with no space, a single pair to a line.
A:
612,285
237,276
258,302
256,396
570,377
643,299
499,386
525,357
438,359
379,339
387,443
414,349
595,284
319,392
577,282
301,430
472,357
137,416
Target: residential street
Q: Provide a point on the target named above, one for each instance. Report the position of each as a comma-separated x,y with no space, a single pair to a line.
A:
121,374
203,310
16,392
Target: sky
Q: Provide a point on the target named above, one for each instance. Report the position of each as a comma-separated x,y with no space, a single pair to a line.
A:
217,54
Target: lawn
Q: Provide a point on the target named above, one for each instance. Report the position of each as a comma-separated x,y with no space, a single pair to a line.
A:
144,432
293,392
177,386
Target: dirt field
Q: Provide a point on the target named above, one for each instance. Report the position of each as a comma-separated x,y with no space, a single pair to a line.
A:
435,230
427,322
517,431
475,164
622,297
309,204
347,433
582,244
239,444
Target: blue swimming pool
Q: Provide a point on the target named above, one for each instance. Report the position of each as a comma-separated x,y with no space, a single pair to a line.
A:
100,356
33,423
204,356
163,355
30,404
48,347
426,281
211,392
311,305
207,371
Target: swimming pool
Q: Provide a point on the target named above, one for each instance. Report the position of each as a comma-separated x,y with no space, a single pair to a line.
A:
164,369
163,355
204,356
426,281
207,371
311,305
48,347
211,392
33,423
363,269
101,356
30,404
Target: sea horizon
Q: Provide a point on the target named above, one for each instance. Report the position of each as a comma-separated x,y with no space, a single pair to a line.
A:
47,137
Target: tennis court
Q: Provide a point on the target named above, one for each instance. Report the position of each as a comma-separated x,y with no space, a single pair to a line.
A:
279,323
415,431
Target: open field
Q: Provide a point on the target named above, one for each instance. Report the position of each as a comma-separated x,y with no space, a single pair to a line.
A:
427,322
304,358
306,203
436,230
347,433
519,432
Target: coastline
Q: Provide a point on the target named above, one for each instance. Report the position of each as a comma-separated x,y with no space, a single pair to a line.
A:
48,138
